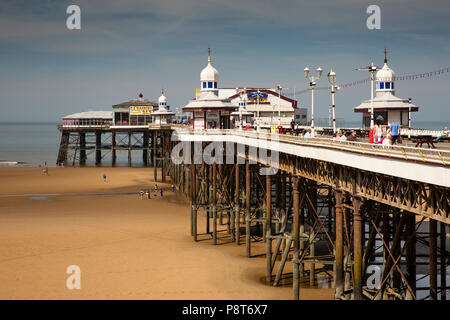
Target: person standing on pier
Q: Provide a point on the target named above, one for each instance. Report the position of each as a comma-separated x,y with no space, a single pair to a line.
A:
308,134
444,134
352,136
394,127
387,141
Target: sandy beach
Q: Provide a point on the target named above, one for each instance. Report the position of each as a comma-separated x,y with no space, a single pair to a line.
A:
126,248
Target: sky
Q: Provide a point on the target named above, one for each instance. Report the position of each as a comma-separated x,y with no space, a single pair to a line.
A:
129,47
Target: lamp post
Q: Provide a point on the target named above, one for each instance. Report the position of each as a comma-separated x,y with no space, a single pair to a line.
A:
372,80
241,105
240,113
372,70
332,81
409,114
279,88
409,119
312,84
257,112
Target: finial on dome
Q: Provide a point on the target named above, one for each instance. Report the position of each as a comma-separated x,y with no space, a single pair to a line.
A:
385,55
162,90
209,55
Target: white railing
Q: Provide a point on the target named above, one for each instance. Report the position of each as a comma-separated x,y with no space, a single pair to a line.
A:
84,126
420,132
437,156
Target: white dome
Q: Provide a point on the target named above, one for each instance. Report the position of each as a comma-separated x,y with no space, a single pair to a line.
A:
385,74
209,73
162,98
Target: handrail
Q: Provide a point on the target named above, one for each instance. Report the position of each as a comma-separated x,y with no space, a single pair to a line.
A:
400,152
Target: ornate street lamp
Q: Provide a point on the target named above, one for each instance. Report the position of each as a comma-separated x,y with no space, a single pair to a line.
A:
332,81
312,84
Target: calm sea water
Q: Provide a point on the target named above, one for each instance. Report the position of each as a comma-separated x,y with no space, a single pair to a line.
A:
31,143
34,143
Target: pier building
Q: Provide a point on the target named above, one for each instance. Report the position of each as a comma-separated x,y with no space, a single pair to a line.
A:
88,118
212,106
162,115
134,112
242,116
267,105
386,105
208,110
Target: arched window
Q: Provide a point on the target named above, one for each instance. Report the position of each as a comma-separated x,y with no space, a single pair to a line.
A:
204,85
388,85
392,85
215,85
210,85
381,85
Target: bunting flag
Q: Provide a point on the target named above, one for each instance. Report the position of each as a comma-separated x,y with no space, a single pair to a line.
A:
367,80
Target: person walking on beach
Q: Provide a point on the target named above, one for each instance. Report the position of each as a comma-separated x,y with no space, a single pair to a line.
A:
147,194
394,131
161,192
173,188
141,194
45,170
156,189
104,177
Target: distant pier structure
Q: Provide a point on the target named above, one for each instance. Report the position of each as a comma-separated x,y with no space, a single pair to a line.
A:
133,126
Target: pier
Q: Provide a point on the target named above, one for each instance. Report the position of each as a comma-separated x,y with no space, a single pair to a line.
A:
338,208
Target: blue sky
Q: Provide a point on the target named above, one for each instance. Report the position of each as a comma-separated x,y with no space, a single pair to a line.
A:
128,47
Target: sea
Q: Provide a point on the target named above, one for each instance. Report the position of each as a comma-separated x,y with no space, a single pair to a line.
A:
36,143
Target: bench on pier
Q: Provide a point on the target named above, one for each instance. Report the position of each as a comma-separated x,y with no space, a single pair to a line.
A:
420,140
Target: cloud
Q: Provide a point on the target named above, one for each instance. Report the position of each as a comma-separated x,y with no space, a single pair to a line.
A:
138,45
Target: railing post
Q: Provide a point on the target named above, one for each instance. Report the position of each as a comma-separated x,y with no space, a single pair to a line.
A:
339,254
268,229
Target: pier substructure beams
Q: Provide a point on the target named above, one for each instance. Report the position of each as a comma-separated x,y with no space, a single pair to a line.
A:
98,147
83,156
80,146
374,245
63,148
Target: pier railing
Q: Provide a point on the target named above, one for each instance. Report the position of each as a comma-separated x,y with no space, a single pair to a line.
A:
424,155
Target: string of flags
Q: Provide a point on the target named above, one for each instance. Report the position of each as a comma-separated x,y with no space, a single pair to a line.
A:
367,80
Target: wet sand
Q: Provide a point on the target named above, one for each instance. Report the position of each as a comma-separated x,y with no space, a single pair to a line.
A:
127,248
